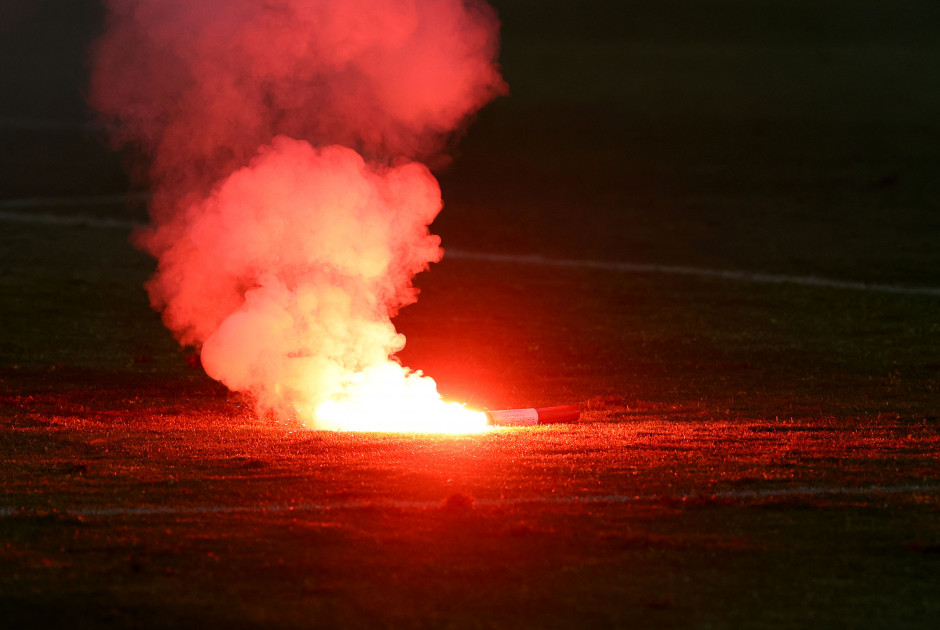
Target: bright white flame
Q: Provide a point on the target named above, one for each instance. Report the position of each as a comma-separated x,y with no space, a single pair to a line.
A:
391,398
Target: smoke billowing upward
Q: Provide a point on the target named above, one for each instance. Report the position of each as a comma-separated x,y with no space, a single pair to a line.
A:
289,213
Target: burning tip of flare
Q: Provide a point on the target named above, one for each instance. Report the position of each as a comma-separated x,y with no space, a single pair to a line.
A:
390,398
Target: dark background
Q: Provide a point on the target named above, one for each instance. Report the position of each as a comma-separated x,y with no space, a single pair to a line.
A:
773,135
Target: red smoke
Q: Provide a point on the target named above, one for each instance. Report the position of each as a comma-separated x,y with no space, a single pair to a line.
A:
289,216
201,85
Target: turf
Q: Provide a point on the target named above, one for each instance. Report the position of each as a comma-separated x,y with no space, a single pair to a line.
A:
750,455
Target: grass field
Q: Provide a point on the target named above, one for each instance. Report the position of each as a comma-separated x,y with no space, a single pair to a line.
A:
750,454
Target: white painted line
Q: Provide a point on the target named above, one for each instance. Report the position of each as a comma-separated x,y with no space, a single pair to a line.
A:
278,508
8,213
52,124
72,221
796,492
77,200
721,274
24,211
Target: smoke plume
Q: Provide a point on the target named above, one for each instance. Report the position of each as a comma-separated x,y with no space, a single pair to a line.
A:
290,211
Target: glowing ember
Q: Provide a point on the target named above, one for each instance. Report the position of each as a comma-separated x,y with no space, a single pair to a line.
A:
283,252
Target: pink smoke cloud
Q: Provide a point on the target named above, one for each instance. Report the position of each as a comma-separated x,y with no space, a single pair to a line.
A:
201,85
290,214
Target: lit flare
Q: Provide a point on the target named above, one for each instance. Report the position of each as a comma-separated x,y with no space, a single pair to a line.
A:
391,398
